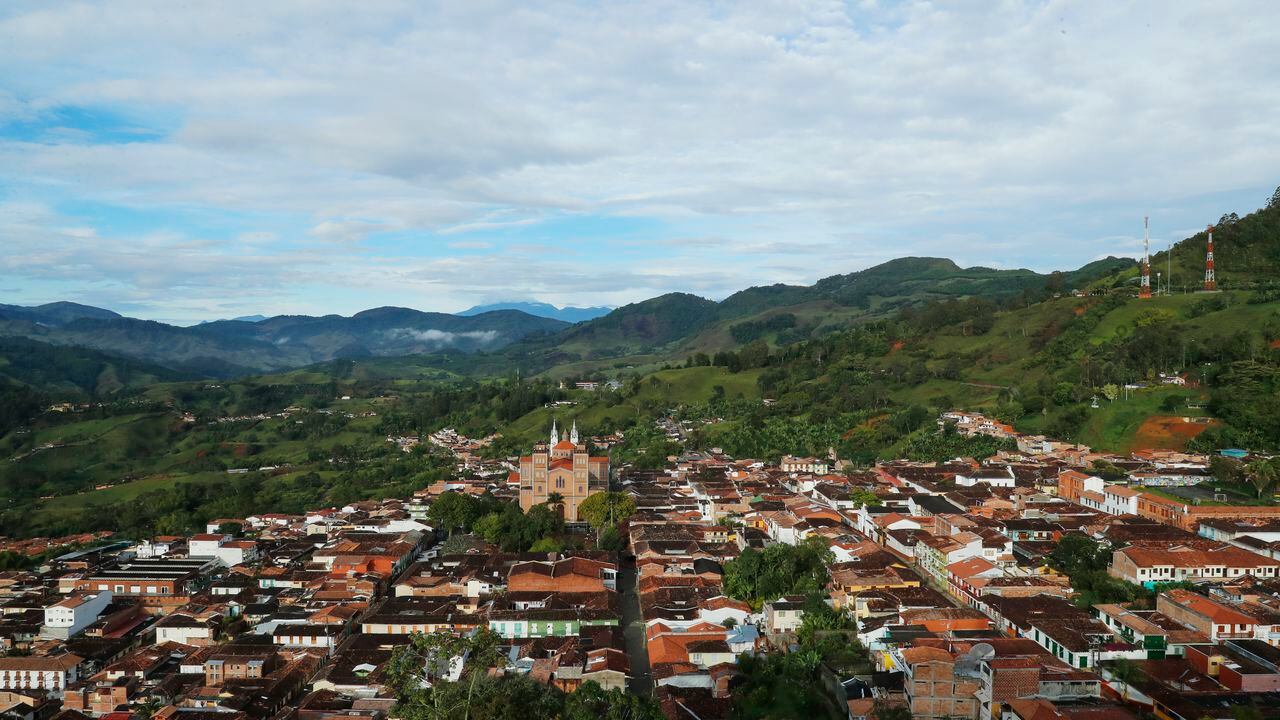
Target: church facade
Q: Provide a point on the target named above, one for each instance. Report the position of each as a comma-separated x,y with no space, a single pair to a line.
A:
563,465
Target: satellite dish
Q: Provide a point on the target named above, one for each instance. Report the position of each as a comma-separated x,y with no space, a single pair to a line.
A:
970,663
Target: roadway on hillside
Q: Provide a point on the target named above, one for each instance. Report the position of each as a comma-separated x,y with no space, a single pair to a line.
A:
641,682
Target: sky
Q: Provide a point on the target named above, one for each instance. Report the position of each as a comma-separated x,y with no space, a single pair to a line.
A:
183,161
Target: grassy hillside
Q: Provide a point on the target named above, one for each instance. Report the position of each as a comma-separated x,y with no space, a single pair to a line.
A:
645,334
74,373
652,395
1246,251
33,375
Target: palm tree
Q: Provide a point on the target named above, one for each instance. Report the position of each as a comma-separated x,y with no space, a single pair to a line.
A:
556,501
1263,474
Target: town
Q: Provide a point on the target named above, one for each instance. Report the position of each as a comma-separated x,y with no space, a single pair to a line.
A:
1047,581
788,360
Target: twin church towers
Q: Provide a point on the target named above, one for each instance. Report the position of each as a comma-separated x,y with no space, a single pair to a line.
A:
562,466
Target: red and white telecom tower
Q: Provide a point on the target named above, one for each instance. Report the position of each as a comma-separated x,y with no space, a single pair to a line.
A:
1210,282
1144,292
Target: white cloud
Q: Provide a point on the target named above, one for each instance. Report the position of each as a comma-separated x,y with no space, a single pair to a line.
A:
828,136
444,338
344,231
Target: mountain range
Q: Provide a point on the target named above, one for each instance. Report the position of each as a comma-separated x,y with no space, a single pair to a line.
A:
675,325
669,324
226,348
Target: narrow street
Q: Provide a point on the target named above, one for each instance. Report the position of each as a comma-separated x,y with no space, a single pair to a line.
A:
641,682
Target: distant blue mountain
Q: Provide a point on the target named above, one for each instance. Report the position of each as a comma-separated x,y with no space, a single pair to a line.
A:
242,318
538,309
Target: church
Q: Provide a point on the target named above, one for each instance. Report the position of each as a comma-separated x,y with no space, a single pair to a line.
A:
562,466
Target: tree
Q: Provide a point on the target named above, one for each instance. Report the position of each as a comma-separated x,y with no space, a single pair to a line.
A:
1263,474
432,660
1108,471
146,710
458,544
758,576
1085,562
864,498
910,419
592,702
451,511
610,540
489,527
1067,423
1076,553
545,545
443,676
606,508
1110,391
1064,393
819,618
1226,470
555,501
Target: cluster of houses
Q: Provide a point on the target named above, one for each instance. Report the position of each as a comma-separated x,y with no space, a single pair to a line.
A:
288,412
40,546
946,570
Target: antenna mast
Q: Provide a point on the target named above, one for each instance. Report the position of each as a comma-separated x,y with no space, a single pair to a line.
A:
1144,291
1210,282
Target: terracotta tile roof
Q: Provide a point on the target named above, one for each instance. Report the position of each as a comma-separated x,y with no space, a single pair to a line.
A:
1187,555
1035,709
913,655
40,662
1215,611
970,567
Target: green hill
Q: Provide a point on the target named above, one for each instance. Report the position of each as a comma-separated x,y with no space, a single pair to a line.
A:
74,373
1246,252
34,374
674,325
